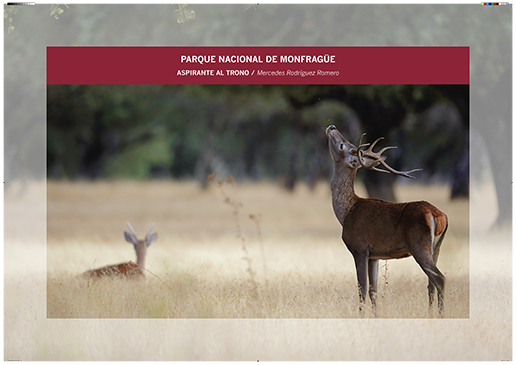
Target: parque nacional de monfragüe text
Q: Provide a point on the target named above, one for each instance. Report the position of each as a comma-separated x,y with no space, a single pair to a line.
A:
213,59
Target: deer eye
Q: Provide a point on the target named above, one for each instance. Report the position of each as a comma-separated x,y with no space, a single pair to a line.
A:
341,147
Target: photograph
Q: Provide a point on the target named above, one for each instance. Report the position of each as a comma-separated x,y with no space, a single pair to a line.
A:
244,187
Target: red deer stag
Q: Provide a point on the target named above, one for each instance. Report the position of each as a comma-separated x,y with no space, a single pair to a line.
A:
128,269
373,229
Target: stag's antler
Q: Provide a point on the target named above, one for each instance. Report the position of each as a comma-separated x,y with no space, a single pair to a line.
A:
379,159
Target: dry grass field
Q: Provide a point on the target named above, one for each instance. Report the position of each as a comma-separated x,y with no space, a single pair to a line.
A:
233,251
241,271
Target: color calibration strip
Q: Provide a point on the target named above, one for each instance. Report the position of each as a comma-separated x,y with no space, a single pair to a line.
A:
495,3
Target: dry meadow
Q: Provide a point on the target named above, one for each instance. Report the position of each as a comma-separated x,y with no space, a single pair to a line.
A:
250,271
236,250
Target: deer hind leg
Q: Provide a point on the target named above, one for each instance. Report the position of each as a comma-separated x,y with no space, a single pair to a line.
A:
373,282
431,295
436,279
435,256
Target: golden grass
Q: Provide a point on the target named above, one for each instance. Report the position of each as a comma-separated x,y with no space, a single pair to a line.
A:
233,251
182,295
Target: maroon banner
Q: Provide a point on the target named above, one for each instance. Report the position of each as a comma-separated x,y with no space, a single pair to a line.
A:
257,65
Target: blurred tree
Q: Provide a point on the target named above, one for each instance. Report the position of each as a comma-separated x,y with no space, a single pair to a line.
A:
89,124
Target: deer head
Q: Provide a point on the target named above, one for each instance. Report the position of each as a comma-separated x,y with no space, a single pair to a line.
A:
140,246
343,151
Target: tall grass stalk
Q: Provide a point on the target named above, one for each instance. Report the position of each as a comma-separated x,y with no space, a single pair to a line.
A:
385,276
256,219
236,205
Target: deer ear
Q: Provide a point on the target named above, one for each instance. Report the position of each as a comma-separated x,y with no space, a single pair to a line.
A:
130,238
153,238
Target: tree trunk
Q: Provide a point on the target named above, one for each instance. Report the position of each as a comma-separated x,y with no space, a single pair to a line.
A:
379,185
501,163
292,173
460,183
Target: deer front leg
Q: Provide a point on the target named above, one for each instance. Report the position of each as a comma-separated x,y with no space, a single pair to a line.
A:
373,282
361,264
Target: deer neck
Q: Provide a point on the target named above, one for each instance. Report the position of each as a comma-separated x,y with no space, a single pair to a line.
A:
343,190
141,250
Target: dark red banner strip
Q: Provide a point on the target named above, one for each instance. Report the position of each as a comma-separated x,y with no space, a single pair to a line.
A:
257,65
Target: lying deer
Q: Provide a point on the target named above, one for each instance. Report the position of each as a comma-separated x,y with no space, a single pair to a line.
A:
373,229
128,269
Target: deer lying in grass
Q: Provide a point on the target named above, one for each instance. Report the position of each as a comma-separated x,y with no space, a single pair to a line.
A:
128,269
373,229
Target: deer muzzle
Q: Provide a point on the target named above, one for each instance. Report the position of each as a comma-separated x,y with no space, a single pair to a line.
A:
330,128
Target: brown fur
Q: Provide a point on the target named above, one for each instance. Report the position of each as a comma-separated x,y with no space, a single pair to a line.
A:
125,269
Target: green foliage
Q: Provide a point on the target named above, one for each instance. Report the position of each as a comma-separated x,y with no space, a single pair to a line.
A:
183,14
87,126
139,162
9,11
56,10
